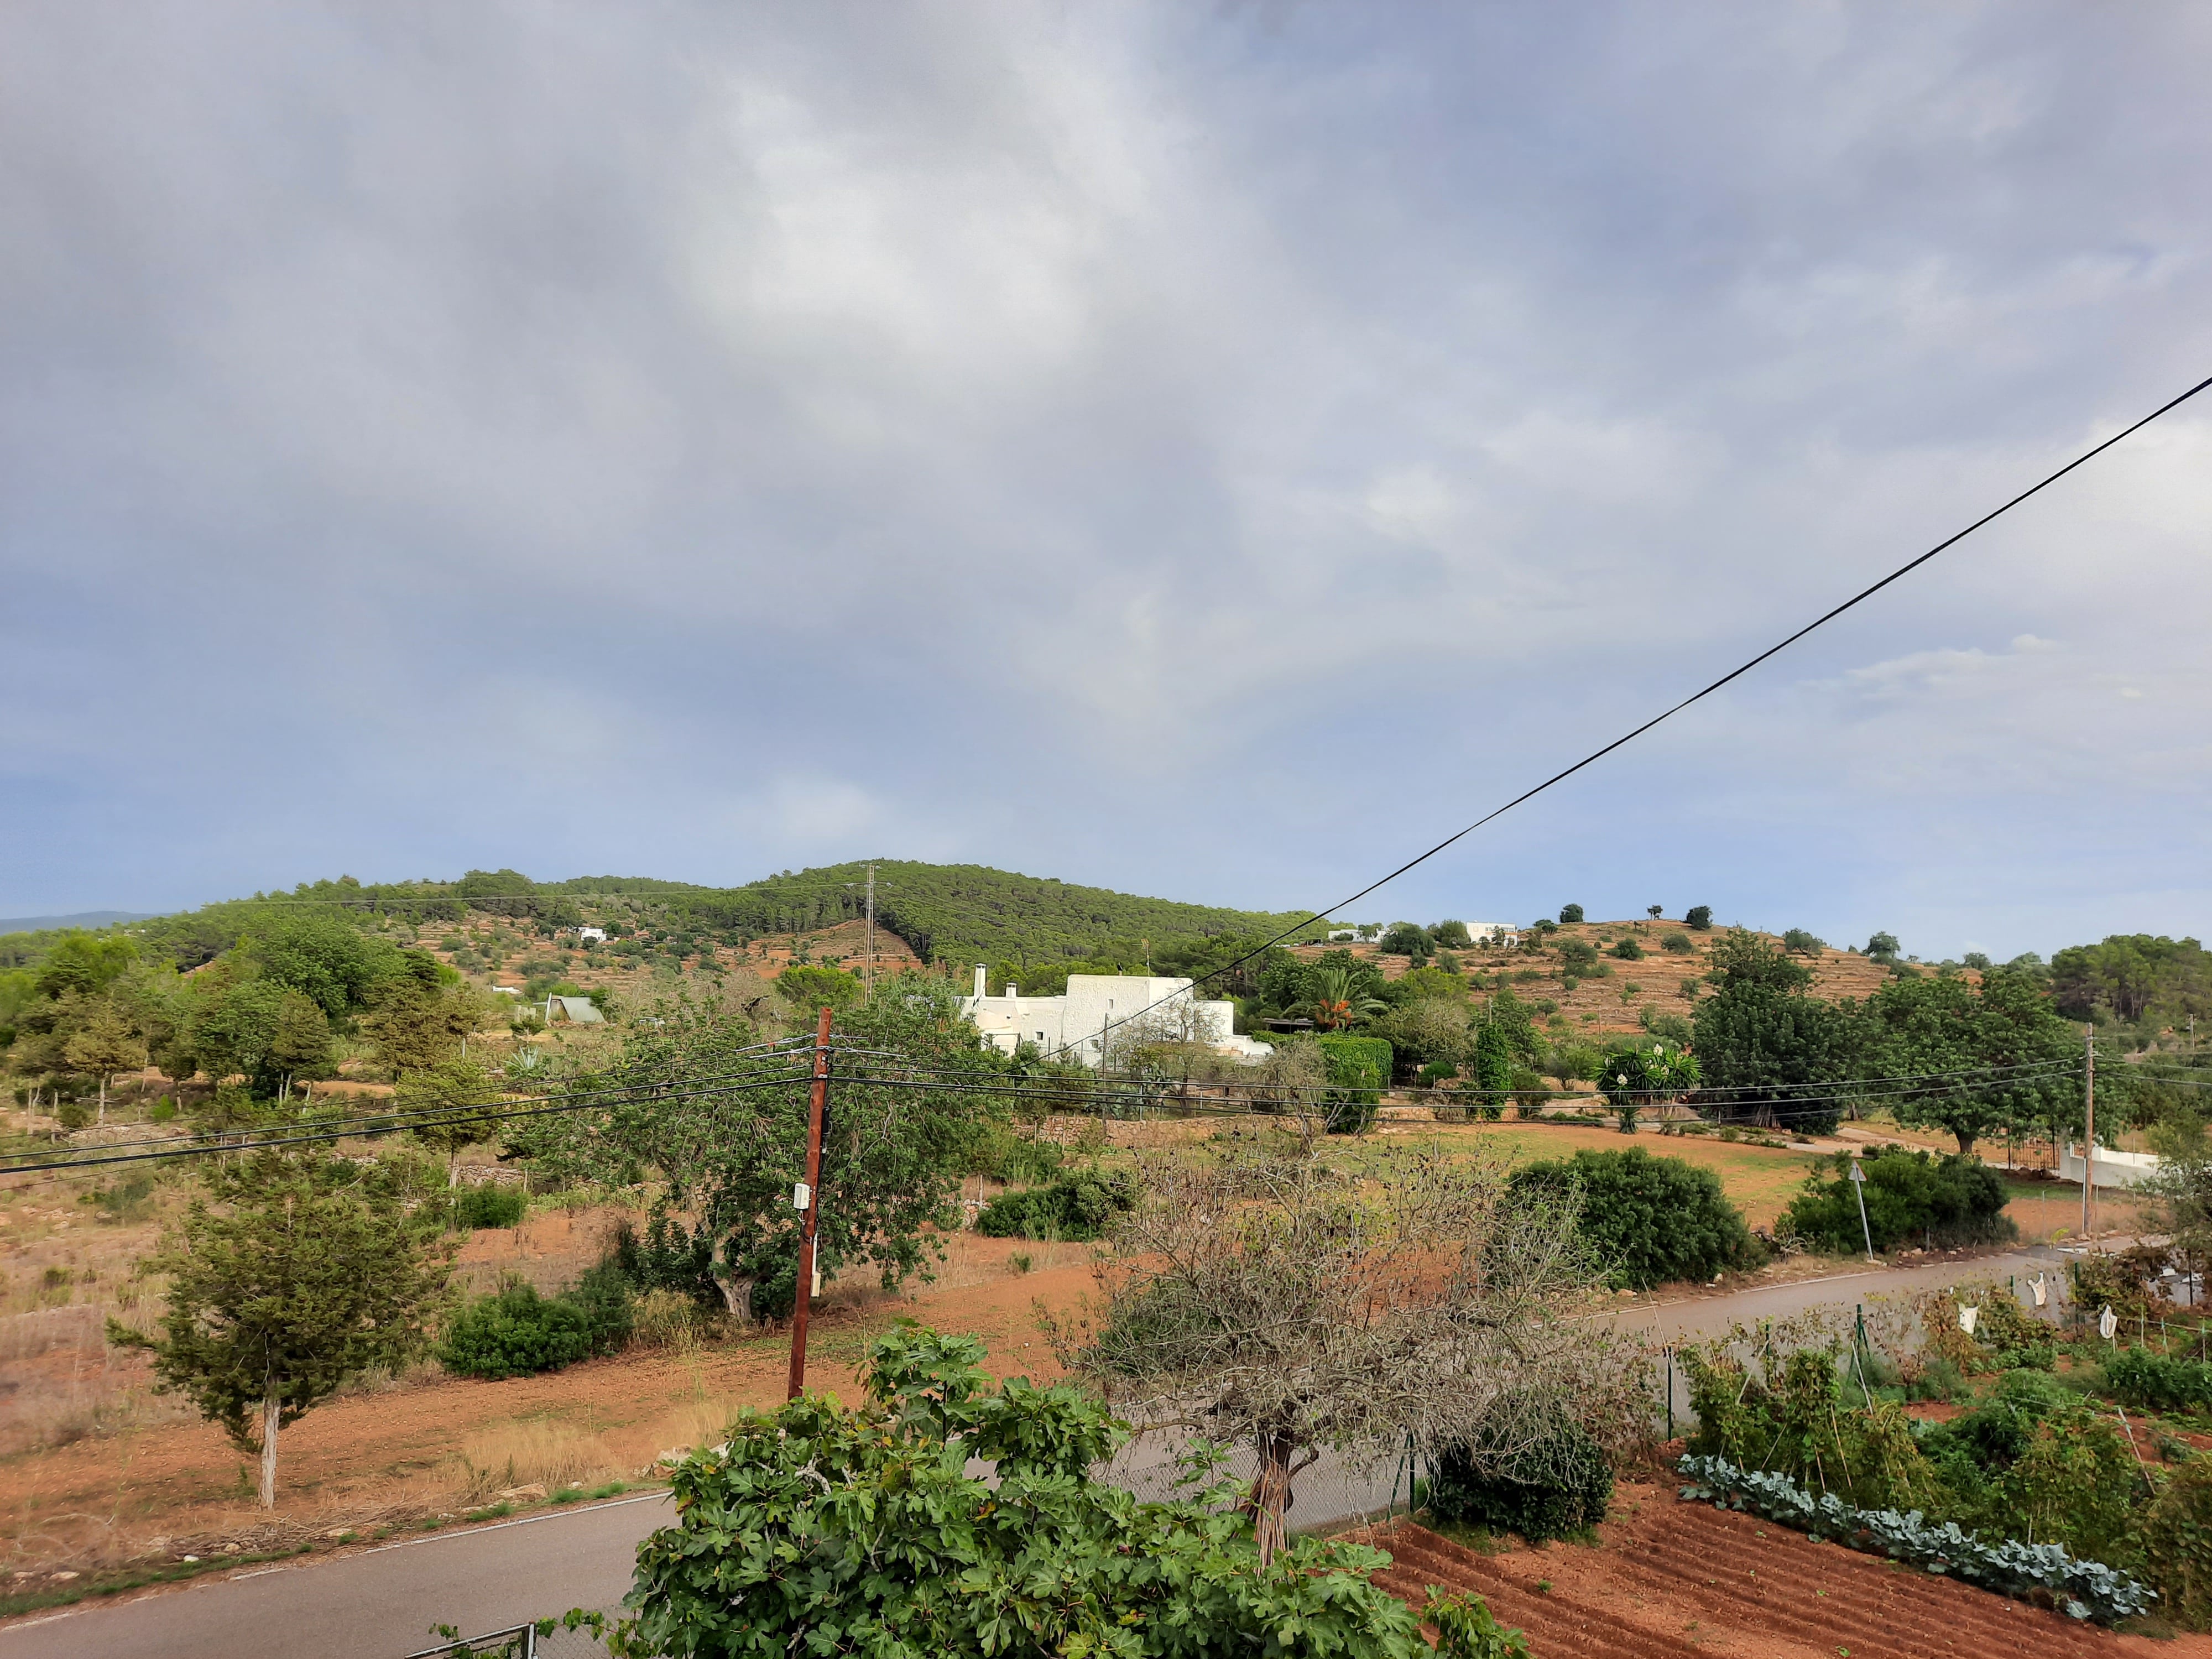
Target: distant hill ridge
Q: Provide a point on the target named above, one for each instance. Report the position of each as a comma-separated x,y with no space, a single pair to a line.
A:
960,912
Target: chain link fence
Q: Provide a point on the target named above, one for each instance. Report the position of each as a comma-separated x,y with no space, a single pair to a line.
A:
548,1639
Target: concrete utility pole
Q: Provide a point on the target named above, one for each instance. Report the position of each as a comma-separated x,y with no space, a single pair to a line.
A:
1858,1186
2089,1128
808,1197
869,994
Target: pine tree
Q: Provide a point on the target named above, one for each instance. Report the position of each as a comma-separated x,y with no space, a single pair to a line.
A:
291,1275
301,1046
104,1044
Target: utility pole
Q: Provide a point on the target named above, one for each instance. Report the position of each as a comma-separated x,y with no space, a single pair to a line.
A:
869,994
2089,1128
809,1201
1858,1186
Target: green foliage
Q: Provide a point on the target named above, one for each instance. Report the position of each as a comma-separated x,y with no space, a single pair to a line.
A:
1569,914
809,988
1760,1037
1076,1207
83,962
1930,1027
1408,939
1910,1197
1698,918
1358,1071
1576,956
892,1157
1451,936
2176,1546
1551,1484
1882,947
292,1274
1651,1220
515,1332
1676,942
1800,942
863,1526
2156,1382
954,912
2134,976
1627,949
1794,1414
478,1208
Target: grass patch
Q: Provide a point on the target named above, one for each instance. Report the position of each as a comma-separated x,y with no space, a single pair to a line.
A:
64,1595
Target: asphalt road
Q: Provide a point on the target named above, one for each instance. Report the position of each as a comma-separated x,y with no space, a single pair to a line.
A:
382,1603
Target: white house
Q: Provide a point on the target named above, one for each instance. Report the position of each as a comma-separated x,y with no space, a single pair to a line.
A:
1101,1011
593,935
1498,933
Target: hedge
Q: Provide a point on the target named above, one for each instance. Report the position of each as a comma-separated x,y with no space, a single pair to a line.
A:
1653,1219
1075,1207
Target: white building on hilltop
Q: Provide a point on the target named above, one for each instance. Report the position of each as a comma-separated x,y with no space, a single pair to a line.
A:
1101,1013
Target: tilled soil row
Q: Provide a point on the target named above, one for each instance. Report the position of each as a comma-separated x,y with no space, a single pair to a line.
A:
1673,1578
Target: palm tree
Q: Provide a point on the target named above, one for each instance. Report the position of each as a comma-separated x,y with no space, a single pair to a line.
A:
1338,1000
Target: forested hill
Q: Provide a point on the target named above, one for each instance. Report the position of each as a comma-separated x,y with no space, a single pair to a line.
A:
956,912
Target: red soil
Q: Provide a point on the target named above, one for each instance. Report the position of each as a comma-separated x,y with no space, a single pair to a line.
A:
1675,1579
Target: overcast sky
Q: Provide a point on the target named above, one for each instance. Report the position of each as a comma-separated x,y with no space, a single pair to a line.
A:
1207,451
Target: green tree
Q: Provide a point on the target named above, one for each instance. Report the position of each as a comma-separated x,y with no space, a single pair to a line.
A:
419,1019
104,1043
1932,1028
86,963
453,1093
911,1554
1407,938
1650,1219
1570,914
1341,996
233,1021
1761,1039
1451,936
809,988
1698,918
892,1153
300,1047
322,956
1883,947
291,1275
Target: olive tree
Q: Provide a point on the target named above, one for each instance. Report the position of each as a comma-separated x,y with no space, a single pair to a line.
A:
1294,1307
290,1275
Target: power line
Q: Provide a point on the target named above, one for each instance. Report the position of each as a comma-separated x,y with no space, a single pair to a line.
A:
1736,673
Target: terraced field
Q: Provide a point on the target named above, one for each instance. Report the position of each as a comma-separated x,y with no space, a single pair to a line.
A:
1670,1578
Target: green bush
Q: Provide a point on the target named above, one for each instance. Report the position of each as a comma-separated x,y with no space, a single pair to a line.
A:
1570,913
1909,1196
1576,956
2176,1546
515,1332
1652,1219
1628,950
2136,1376
1553,1486
1074,1206
1698,918
1676,942
867,1523
479,1207
1358,1071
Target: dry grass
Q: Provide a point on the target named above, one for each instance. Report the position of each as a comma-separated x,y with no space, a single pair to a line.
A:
539,1452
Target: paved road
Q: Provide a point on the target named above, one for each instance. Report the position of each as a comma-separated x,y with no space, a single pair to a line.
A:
382,1602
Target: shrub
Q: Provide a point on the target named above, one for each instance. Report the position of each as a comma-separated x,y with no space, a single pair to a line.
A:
1803,943
2153,1381
1676,942
1358,1071
165,1111
1074,1206
867,1523
480,1207
1652,1219
515,1332
1945,1201
1557,1483
1628,950
2176,1546
1699,918
1576,956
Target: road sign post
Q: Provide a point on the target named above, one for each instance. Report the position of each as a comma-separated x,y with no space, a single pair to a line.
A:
1858,1186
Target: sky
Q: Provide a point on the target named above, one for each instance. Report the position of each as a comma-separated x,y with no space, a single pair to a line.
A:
1213,452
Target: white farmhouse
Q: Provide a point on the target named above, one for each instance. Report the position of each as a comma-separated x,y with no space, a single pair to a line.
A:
1099,1012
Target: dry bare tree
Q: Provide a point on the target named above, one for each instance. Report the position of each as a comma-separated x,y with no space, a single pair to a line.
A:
1279,1302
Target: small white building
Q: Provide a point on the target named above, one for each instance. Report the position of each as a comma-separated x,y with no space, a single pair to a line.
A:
1100,1013
1498,933
593,935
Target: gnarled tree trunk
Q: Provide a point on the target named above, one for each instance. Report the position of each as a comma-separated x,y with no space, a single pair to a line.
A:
1271,1490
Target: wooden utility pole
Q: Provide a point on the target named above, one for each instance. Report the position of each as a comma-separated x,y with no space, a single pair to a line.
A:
2088,1129
869,994
808,1200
